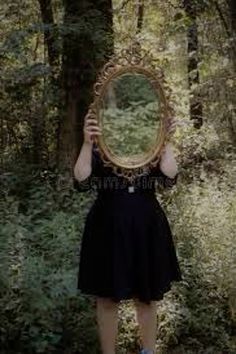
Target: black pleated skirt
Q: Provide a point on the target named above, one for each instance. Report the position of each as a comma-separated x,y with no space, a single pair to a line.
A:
127,249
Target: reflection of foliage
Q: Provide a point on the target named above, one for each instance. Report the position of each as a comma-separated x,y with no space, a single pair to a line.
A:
133,88
132,130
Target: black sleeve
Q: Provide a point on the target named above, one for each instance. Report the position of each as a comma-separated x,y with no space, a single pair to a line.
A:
162,179
89,183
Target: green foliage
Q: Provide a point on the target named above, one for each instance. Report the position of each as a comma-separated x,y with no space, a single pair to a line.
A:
198,314
40,308
42,218
131,130
133,88
40,238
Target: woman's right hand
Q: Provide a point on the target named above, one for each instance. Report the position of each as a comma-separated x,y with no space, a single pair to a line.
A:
91,130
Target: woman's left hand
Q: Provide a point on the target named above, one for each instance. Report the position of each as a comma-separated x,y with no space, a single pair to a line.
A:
167,152
168,163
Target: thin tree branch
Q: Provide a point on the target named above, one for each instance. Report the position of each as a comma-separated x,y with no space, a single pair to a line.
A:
224,22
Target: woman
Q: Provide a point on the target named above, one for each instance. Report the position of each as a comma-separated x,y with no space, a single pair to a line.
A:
127,249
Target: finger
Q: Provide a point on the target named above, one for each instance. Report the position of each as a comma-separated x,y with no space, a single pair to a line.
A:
94,134
92,126
170,129
90,121
172,122
93,129
172,125
90,118
88,127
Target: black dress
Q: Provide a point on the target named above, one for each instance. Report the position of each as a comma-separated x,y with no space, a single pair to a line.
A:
127,250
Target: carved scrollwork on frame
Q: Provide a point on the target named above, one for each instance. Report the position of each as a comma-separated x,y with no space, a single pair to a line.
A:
132,96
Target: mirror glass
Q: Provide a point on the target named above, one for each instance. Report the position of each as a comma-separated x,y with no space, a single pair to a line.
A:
130,115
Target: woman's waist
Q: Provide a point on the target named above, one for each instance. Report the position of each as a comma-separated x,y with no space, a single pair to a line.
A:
125,201
125,190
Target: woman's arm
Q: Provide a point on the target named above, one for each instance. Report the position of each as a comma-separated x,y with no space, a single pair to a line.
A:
83,165
168,164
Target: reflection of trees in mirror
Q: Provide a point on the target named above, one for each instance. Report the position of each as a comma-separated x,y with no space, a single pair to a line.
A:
132,130
126,88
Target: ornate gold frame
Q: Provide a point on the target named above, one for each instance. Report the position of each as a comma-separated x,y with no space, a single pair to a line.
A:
132,60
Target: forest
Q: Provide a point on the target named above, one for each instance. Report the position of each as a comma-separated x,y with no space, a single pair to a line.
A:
51,53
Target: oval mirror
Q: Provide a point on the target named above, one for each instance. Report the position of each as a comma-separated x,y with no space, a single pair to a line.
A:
130,115
132,109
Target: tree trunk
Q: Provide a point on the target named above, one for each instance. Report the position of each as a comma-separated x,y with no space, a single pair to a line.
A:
232,115
140,15
83,56
50,37
196,111
50,31
232,11
229,25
